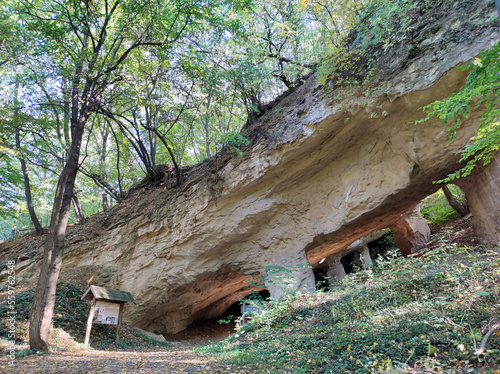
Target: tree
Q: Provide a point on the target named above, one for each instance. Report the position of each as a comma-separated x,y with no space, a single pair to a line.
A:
481,90
461,207
94,40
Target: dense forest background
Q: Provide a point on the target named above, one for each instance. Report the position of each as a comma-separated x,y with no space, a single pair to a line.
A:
153,86
173,82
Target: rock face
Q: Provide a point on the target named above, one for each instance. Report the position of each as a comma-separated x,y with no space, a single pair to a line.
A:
411,232
326,172
334,268
482,189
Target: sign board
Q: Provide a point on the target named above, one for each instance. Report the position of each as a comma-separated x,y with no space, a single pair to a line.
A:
106,313
106,308
249,310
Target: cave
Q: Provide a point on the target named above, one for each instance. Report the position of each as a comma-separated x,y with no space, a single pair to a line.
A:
215,328
379,247
348,262
234,310
321,279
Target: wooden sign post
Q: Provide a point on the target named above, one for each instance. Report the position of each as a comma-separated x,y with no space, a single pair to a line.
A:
106,308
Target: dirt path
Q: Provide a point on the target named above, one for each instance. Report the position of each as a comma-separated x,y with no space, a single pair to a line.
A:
177,358
180,359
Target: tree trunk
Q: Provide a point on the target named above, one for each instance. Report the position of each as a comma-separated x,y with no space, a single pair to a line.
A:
102,165
27,190
44,299
27,186
461,208
206,126
105,204
78,208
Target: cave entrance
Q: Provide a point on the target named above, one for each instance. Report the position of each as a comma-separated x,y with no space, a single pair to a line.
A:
234,310
381,246
349,262
321,279
218,328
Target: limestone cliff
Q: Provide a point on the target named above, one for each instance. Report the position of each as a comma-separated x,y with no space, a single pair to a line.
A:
329,167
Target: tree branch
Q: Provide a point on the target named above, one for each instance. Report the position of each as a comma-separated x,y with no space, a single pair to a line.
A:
482,347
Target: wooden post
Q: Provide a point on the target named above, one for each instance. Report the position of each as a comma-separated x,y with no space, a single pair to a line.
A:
119,324
89,323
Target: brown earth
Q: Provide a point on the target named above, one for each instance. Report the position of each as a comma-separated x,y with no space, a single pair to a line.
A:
178,359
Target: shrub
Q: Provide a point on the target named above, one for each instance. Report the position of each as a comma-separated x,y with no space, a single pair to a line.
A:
436,209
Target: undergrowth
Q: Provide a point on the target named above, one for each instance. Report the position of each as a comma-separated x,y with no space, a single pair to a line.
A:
436,209
425,314
68,324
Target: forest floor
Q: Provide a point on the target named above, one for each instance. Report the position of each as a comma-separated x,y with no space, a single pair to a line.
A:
456,291
178,359
177,356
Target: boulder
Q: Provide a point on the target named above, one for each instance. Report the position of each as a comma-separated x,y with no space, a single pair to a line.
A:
410,231
151,335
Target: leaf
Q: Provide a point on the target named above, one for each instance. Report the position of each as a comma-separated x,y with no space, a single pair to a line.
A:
482,293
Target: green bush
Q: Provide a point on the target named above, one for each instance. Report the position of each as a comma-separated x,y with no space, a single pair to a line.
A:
421,314
436,209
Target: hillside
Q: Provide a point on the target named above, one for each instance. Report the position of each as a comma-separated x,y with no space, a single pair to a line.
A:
424,314
327,166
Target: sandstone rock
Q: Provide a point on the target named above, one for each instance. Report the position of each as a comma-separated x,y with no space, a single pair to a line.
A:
151,335
323,175
411,232
482,189
335,270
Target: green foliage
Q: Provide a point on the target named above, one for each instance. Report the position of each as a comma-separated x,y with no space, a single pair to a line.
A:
369,30
235,141
70,312
405,314
70,320
436,209
482,90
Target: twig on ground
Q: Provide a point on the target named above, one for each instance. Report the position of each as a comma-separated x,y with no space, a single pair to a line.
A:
482,347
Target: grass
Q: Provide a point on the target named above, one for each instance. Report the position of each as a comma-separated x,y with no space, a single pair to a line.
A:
436,209
425,314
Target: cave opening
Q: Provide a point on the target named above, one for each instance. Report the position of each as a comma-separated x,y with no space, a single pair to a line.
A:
381,246
321,279
349,262
218,328
234,310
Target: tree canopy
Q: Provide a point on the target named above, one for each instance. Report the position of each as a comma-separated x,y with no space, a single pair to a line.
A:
167,84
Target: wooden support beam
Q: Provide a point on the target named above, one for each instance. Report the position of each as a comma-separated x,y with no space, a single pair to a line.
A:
119,324
89,323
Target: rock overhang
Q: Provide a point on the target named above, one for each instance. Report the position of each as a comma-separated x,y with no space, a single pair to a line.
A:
323,175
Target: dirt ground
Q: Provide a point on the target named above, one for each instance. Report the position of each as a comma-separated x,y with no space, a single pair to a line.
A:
179,357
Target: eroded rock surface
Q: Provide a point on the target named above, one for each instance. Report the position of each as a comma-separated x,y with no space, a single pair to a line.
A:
482,189
326,172
411,232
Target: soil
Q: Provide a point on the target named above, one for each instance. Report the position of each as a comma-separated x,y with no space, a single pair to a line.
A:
203,332
177,357
458,231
